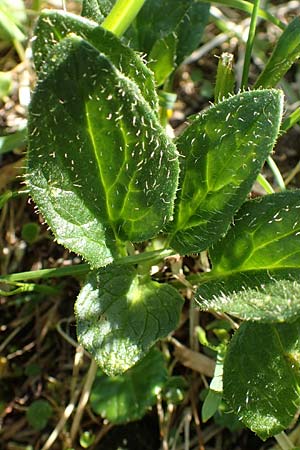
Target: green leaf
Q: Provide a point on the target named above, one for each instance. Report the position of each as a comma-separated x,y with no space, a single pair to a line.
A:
225,77
5,197
13,140
225,418
121,314
191,27
211,404
96,10
159,19
256,266
162,58
30,232
38,414
127,397
53,26
223,151
5,84
12,14
174,390
86,439
285,53
261,376
100,166
214,397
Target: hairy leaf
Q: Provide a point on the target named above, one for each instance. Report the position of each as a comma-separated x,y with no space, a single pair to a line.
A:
223,151
100,166
53,26
285,53
96,10
256,266
121,314
262,378
124,398
158,19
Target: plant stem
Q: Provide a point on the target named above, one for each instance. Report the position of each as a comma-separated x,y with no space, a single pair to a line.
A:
265,184
121,16
249,45
290,121
284,442
225,77
83,269
276,172
80,269
36,5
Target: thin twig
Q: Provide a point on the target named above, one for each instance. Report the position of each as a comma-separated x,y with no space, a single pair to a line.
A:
193,360
68,410
63,420
284,442
83,399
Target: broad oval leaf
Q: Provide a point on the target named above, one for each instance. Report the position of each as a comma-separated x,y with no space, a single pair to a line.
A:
262,377
121,314
124,398
285,53
223,151
100,167
256,266
52,26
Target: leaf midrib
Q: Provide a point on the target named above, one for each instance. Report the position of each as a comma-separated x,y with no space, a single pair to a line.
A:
98,160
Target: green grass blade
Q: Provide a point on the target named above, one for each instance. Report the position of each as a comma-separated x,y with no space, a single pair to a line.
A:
250,42
290,121
248,7
286,52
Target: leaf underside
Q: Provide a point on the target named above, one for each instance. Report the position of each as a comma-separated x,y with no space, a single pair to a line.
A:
120,315
256,266
261,376
127,397
99,165
223,151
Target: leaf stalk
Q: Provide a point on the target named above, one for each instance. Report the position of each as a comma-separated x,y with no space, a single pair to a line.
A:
121,16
